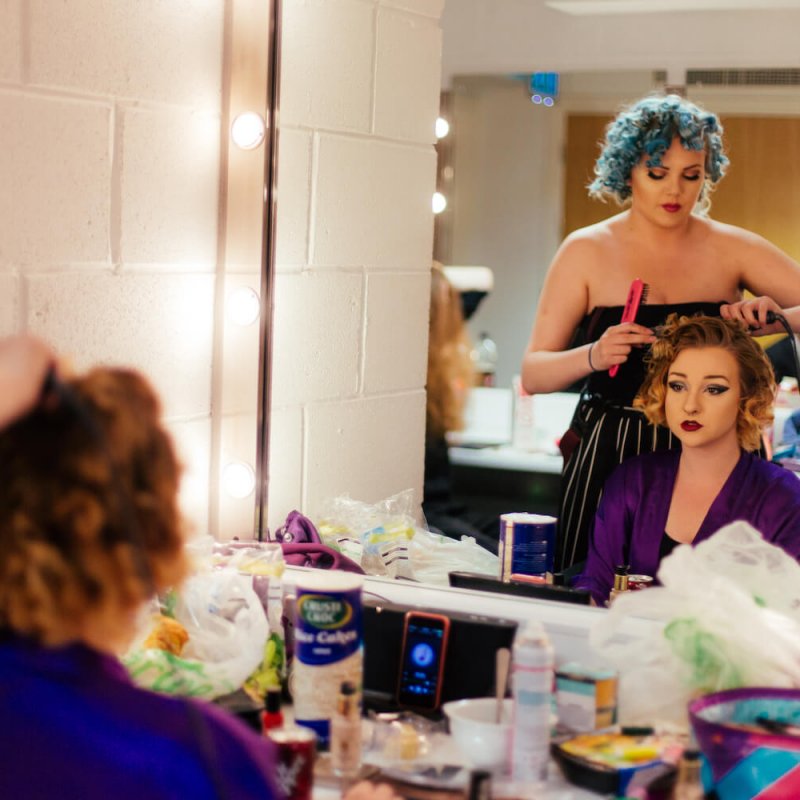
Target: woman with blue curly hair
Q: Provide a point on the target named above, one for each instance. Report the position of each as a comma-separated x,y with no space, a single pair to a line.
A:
661,158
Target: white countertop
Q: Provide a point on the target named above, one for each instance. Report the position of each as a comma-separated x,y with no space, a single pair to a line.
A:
506,457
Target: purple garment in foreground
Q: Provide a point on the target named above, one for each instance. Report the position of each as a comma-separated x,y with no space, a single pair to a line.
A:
632,516
75,728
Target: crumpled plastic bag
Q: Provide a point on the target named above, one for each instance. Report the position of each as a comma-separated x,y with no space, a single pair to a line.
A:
434,555
373,535
227,629
730,614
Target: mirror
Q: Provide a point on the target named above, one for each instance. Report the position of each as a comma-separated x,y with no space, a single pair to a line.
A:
315,450
128,219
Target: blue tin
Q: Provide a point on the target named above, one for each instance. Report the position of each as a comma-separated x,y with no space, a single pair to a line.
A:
527,545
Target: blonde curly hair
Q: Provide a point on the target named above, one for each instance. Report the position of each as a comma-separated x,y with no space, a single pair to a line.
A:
89,522
756,377
450,368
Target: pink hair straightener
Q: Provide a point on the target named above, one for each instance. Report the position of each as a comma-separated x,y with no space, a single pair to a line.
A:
637,294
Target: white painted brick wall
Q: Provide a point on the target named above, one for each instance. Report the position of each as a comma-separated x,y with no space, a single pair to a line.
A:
109,152
361,79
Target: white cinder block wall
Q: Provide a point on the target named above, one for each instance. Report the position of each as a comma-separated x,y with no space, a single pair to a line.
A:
109,157
359,97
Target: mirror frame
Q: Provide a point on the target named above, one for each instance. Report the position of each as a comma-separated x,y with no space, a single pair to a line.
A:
268,239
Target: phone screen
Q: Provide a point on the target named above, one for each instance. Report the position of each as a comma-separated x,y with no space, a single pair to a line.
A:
422,660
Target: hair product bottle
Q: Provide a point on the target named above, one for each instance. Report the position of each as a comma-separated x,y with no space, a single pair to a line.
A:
532,674
346,732
620,582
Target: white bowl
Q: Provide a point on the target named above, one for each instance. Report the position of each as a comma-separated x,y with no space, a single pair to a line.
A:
483,742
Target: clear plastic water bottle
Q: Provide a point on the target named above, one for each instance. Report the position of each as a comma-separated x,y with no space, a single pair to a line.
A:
484,357
532,669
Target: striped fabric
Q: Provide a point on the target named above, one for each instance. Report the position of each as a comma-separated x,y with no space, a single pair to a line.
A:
609,434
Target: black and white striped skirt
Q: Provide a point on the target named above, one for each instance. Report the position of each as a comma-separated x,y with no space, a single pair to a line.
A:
608,434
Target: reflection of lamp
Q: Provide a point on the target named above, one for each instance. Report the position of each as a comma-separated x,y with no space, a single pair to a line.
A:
238,479
438,203
243,306
474,283
442,127
248,130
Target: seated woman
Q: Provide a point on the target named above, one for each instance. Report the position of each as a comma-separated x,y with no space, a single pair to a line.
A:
713,387
89,528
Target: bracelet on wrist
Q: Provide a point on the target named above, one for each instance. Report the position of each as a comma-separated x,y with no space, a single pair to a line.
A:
591,366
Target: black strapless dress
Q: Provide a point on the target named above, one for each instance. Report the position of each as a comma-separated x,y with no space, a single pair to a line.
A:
608,428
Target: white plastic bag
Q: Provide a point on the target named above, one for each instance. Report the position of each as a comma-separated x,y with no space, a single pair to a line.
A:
433,556
730,609
227,630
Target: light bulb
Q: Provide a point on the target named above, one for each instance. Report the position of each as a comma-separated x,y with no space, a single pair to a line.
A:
248,130
439,203
243,306
238,479
442,127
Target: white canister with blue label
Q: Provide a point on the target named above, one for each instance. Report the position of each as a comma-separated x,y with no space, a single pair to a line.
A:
328,645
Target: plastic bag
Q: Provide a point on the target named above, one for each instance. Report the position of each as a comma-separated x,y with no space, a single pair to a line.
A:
227,629
730,609
374,535
433,556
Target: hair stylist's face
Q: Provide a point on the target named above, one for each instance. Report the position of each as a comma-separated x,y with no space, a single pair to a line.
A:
667,194
702,401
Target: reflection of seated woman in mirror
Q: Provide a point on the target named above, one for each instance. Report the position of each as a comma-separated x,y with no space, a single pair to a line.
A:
712,388
450,376
663,156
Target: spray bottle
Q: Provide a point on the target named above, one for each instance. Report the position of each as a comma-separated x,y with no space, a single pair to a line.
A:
532,675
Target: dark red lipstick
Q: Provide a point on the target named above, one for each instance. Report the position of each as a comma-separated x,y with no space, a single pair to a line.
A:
671,208
690,425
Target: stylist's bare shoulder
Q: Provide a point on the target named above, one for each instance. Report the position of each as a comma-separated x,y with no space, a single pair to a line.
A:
565,295
586,249
751,256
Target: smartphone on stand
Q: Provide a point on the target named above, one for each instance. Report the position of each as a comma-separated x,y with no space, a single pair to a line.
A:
422,660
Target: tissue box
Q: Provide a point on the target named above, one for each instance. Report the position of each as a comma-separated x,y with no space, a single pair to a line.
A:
586,698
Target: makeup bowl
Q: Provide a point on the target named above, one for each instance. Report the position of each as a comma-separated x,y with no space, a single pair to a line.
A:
750,739
484,743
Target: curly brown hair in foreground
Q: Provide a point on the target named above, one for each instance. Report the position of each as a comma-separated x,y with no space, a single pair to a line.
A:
89,522
756,378
450,370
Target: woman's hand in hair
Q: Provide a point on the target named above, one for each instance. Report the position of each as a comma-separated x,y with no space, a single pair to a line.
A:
753,313
24,362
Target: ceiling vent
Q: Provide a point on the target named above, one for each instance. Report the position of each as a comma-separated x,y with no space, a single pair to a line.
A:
743,77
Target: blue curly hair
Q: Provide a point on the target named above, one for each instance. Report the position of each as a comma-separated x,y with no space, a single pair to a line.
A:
648,126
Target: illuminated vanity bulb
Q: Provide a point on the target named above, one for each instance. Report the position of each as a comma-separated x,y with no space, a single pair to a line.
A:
238,479
439,203
442,127
248,130
243,306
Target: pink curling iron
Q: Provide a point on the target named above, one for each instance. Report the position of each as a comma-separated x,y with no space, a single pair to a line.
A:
637,294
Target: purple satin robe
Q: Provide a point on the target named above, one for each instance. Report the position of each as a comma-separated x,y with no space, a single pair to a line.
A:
632,516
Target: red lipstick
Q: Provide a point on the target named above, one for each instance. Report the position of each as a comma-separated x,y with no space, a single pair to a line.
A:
690,425
671,208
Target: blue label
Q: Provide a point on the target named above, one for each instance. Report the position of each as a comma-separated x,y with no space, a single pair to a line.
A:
328,626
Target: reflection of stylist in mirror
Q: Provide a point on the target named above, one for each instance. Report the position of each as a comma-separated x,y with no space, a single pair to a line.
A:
450,376
664,155
711,385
